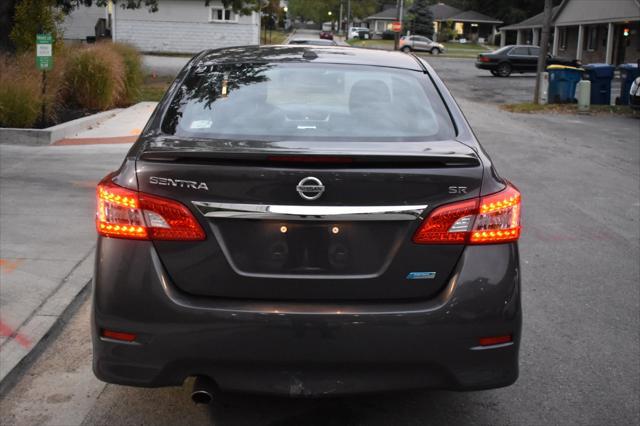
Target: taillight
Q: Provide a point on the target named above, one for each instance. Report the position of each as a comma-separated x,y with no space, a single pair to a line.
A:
118,335
492,219
484,59
124,213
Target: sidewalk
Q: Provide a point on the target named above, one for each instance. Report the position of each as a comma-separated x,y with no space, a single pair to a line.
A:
47,236
124,127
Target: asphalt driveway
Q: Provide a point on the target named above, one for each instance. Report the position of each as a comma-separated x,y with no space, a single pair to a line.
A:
580,353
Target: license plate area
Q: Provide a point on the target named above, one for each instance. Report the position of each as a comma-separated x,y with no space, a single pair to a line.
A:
309,248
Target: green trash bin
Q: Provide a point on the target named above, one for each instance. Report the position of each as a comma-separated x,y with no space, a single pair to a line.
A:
562,83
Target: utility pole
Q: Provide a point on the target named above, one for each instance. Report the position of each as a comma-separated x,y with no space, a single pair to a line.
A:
396,40
340,24
348,18
544,49
399,16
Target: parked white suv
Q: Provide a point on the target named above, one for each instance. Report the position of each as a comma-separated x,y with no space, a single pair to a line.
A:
354,32
417,42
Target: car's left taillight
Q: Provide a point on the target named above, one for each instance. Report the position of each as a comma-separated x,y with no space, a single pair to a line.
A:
490,219
124,213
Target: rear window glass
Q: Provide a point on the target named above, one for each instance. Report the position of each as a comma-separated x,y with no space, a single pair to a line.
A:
307,101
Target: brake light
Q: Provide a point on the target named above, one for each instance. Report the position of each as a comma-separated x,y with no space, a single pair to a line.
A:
491,219
124,213
484,59
118,335
309,159
495,340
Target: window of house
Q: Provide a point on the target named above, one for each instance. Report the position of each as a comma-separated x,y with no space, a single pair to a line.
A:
592,37
219,14
564,35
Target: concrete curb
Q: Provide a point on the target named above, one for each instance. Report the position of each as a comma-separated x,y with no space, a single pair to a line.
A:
14,353
53,134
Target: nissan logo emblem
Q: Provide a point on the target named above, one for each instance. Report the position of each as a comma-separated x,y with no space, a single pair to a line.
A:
310,188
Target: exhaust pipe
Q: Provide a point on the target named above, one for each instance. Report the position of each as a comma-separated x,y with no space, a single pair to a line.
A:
203,390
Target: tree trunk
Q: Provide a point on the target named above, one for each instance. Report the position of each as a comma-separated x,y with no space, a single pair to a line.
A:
544,49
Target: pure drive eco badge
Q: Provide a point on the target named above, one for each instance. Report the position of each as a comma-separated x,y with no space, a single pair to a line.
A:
421,275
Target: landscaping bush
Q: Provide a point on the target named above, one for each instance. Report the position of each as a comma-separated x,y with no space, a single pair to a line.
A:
133,76
21,91
95,77
20,102
388,35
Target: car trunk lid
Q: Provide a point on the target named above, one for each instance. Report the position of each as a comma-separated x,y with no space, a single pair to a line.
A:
268,241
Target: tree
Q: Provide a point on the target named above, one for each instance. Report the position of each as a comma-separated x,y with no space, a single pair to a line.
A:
318,10
33,17
238,6
421,18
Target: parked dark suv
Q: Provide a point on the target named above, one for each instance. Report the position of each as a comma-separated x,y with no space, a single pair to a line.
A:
276,229
522,59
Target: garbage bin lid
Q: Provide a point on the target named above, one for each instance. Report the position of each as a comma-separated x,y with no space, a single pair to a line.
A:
563,67
600,70
589,66
628,66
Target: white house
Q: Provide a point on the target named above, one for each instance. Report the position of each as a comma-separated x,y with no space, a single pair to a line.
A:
178,26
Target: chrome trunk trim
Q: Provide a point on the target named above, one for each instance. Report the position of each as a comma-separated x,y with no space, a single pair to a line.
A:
321,213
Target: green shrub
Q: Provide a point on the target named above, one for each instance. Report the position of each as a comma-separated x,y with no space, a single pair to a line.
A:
95,77
20,102
133,76
21,91
32,17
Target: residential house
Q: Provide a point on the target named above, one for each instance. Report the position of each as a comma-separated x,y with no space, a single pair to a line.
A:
178,26
470,25
590,31
381,21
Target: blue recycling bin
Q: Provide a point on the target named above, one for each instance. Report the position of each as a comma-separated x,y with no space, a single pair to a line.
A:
628,73
562,83
600,76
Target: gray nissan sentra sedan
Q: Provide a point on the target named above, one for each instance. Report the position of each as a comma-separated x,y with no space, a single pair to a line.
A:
306,220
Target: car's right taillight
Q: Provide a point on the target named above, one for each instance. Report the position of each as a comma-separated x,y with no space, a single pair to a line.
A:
124,213
491,219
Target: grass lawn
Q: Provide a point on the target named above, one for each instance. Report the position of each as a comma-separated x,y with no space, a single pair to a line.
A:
274,37
153,88
531,108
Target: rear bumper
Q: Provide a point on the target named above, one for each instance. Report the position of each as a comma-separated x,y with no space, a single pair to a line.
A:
297,348
486,65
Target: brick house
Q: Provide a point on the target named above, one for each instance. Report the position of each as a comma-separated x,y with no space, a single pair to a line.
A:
178,26
591,31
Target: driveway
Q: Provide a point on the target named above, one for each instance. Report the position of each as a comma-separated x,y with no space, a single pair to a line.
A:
580,248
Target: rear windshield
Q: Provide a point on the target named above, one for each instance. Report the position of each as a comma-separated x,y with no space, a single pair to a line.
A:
302,101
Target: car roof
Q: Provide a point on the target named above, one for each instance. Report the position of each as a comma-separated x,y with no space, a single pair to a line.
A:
308,53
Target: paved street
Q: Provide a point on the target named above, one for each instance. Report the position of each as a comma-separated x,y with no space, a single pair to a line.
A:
581,349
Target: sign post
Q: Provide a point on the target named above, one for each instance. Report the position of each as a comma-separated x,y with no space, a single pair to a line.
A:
396,26
44,62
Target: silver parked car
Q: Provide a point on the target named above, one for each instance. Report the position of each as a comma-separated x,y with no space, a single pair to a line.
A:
420,43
